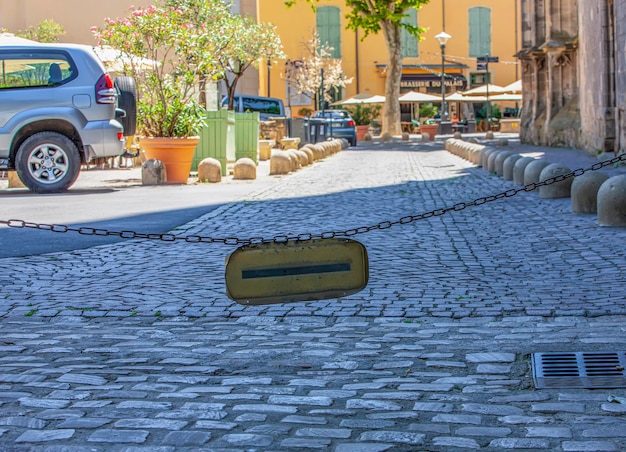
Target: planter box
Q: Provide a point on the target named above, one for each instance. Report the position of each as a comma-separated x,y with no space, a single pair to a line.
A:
217,139
430,129
247,136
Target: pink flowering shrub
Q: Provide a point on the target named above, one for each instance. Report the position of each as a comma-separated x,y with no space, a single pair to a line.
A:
170,57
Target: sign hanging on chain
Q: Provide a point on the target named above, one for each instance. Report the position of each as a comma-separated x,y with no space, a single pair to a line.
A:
282,272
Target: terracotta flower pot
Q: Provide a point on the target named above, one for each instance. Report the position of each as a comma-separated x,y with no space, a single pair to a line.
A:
175,153
361,131
430,129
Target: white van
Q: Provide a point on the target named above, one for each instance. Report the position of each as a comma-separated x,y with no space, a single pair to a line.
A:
266,106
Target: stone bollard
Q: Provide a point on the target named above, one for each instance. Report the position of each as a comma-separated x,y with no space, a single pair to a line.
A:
585,191
405,136
293,158
508,165
489,135
503,142
153,172
244,168
491,161
280,163
484,156
498,164
303,158
533,171
557,189
14,180
425,136
309,154
612,202
209,170
367,136
386,137
458,136
518,169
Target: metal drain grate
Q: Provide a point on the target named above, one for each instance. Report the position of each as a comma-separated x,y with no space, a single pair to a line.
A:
579,370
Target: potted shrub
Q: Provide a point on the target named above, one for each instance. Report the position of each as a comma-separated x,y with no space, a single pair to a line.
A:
364,116
170,59
428,124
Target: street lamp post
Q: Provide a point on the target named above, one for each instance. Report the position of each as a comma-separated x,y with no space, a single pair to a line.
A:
443,39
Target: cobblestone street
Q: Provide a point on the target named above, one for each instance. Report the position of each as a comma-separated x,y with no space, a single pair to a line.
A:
135,346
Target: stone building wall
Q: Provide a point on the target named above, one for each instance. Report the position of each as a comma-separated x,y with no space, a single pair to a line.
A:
573,64
619,19
597,91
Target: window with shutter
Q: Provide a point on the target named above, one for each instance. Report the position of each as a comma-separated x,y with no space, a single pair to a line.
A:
479,31
329,28
409,42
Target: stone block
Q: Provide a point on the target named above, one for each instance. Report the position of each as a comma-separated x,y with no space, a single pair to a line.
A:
153,172
585,191
244,168
209,170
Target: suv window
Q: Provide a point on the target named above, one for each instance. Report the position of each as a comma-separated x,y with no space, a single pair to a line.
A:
34,70
261,105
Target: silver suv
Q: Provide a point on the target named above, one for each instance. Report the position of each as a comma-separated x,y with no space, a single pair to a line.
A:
59,111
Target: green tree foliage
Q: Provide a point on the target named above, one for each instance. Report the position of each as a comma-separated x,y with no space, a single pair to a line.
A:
46,31
386,17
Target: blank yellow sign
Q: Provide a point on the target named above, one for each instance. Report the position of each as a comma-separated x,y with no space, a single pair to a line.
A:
296,271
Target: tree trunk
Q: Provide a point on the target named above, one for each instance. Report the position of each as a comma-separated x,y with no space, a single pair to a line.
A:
391,110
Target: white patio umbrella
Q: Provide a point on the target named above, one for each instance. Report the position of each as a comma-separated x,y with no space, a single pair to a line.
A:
413,96
514,88
484,90
458,97
506,97
364,99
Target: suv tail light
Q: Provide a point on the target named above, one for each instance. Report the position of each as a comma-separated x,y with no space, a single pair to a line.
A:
105,92
351,123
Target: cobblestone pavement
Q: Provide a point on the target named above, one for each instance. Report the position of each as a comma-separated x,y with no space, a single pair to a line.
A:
135,346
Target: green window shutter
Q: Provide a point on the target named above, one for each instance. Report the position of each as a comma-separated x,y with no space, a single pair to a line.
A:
409,42
329,28
479,31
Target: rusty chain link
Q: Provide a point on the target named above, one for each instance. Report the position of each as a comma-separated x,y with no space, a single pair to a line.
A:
168,237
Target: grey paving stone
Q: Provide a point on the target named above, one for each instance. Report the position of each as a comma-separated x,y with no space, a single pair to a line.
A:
244,439
458,418
393,437
305,420
39,436
448,441
118,436
302,443
164,424
519,443
483,431
362,447
186,438
324,432
589,446
498,410
300,400
371,405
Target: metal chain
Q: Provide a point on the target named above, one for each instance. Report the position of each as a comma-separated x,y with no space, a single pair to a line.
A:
20,224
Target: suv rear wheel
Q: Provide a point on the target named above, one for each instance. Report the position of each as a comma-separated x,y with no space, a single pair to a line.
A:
48,162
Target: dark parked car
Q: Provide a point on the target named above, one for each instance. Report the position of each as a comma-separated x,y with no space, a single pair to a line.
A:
340,124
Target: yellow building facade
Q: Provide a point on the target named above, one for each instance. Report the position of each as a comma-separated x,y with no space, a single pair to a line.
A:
477,28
